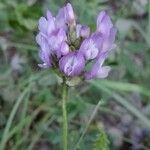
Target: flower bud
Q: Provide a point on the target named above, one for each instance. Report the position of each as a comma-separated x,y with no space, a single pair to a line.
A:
82,31
104,23
64,48
85,31
69,14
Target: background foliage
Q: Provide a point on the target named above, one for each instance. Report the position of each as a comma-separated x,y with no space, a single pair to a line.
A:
30,106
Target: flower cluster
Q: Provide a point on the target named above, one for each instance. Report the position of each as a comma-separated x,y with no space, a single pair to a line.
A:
71,48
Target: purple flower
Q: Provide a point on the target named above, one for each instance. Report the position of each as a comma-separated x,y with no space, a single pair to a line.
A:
97,70
90,47
82,31
108,41
72,64
104,23
46,58
64,49
108,31
69,15
55,41
72,46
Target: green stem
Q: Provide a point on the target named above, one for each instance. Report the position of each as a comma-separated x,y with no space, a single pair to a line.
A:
65,125
149,20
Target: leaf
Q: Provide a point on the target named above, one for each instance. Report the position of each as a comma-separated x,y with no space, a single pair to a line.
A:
123,86
101,142
137,113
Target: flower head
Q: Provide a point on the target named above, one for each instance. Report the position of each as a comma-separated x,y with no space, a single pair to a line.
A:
70,47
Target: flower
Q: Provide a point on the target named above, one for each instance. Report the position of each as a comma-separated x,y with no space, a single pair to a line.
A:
69,47
69,14
104,23
82,31
90,47
108,31
98,70
72,64
64,49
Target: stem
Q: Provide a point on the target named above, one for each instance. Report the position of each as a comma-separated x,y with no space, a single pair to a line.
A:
65,125
149,20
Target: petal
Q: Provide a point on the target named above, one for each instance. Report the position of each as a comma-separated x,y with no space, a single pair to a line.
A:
64,48
112,35
60,19
82,31
72,64
103,72
96,67
100,17
45,57
63,61
51,26
78,29
69,14
62,35
85,31
108,41
98,39
55,41
39,38
43,25
104,23
89,49
49,15
42,41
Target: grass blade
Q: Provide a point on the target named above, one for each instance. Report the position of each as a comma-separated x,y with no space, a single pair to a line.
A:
125,103
88,123
11,117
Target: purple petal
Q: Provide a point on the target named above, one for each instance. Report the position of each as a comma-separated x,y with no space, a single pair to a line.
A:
108,41
104,23
60,19
112,35
103,72
78,29
51,27
89,49
45,57
42,41
49,15
97,71
72,64
85,31
43,25
64,48
82,31
69,14
98,39
56,39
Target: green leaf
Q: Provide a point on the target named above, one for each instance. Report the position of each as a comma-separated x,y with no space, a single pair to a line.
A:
101,142
137,113
123,86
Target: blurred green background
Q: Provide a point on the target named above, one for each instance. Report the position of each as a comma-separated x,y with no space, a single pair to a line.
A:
30,98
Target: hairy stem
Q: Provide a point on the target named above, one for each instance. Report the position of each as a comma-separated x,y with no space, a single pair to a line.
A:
65,124
149,20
